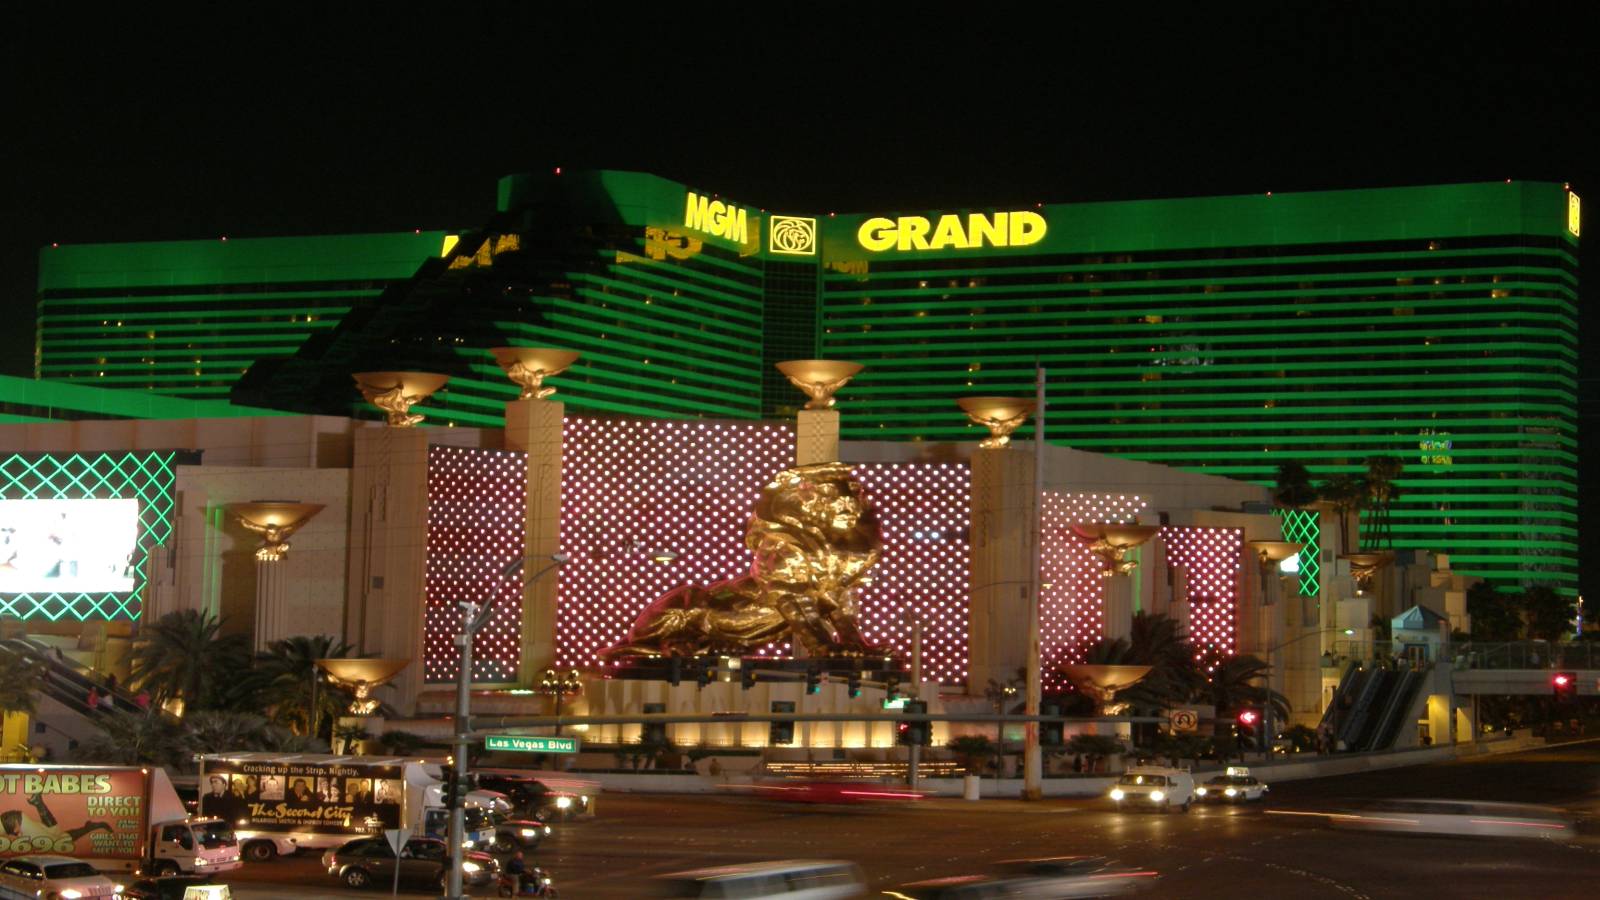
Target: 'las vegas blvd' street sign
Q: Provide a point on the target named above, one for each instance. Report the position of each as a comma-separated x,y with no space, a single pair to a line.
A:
520,743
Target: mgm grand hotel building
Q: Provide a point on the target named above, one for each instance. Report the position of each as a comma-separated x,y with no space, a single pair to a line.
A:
1222,335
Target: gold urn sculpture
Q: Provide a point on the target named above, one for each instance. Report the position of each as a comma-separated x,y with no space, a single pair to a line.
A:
396,392
1274,552
528,367
1101,683
1112,542
361,676
274,520
819,378
1001,415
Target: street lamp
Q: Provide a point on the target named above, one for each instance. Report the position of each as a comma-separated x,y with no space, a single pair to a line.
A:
473,617
559,686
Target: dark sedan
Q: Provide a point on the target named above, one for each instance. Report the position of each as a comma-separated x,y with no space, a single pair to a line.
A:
368,862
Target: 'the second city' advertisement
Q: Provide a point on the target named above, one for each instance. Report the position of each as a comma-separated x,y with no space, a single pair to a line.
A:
326,799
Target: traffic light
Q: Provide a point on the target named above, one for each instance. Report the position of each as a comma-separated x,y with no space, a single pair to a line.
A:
1564,685
813,681
781,732
1051,734
704,674
452,792
747,678
674,670
855,684
915,734
891,686
1249,719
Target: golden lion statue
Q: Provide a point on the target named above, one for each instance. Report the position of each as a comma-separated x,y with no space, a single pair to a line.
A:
814,535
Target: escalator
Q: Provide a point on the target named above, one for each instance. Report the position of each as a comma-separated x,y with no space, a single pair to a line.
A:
67,681
1343,696
1396,708
1353,723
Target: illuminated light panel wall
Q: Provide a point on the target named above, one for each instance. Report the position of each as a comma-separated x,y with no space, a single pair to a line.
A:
924,511
1303,526
1210,558
476,503
186,318
148,477
1230,334
631,488
1072,591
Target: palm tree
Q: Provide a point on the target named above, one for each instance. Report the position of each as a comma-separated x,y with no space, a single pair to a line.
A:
19,677
1156,641
1234,686
220,731
1382,473
1294,489
130,739
287,671
1347,493
183,657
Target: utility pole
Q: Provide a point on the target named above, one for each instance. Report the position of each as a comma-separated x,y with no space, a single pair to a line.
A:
915,756
473,617
1032,760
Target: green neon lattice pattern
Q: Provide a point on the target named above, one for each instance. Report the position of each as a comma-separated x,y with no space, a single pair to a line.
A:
1303,526
148,477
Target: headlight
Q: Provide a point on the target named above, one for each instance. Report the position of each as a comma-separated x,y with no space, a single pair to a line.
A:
530,832
1157,796
201,861
583,799
470,866
1231,792
1199,792
1117,794
563,802
71,894
547,829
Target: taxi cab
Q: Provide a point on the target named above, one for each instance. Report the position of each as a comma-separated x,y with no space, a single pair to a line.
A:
1154,787
1234,785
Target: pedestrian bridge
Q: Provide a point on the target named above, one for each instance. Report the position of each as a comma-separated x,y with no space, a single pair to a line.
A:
1522,667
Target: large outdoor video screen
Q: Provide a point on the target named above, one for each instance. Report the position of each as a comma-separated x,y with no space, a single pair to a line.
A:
67,545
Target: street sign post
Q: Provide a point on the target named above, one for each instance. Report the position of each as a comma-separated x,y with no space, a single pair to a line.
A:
528,743
397,838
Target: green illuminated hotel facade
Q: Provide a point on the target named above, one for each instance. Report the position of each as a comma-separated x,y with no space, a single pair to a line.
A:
1225,335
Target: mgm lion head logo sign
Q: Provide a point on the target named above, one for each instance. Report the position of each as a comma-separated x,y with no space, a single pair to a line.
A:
814,535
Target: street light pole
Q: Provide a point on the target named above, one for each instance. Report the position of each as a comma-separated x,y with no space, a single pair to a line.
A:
1032,759
473,617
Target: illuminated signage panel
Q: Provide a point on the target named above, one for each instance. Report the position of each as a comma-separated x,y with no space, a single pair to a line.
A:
952,231
716,218
1573,210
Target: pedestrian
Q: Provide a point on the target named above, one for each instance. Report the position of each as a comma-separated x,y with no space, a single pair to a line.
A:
94,698
111,683
108,702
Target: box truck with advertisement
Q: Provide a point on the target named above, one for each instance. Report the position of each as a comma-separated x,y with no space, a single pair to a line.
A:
282,802
117,818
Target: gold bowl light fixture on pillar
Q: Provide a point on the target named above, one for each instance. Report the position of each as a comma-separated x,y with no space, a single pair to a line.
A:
528,367
1112,542
1001,415
1365,565
1271,553
819,378
396,392
361,676
274,520
1101,683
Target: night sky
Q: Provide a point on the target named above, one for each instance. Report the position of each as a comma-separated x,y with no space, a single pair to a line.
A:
128,126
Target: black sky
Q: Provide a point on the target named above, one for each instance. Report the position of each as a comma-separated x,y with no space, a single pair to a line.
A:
124,126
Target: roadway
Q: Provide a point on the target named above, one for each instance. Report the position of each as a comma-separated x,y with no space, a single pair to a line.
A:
1210,852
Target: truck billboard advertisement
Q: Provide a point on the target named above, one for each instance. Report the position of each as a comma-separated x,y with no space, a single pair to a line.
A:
324,798
87,813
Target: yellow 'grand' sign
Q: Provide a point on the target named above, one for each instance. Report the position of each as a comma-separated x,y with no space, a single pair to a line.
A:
1001,229
718,219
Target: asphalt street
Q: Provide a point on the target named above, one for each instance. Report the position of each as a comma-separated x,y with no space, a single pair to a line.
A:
1210,852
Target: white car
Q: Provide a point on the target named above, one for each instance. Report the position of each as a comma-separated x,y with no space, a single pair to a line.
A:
1459,817
57,878
1234,785
1154,787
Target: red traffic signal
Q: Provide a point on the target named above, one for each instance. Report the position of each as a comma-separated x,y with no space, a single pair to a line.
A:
1564,685
1249,717
1561,680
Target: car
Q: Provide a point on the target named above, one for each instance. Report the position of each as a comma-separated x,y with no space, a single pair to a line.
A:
542,798
804,791
1154,787
790,879
510,833
1054,878
1469,818
57,878
367,862
1234,785
176,888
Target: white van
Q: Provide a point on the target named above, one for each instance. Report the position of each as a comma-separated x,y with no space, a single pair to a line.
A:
790,879
1154,787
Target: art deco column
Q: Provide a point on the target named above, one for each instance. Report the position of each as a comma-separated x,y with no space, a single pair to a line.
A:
533,426
275,521
389,526
1112,543
817,425
1003,510
1273,618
